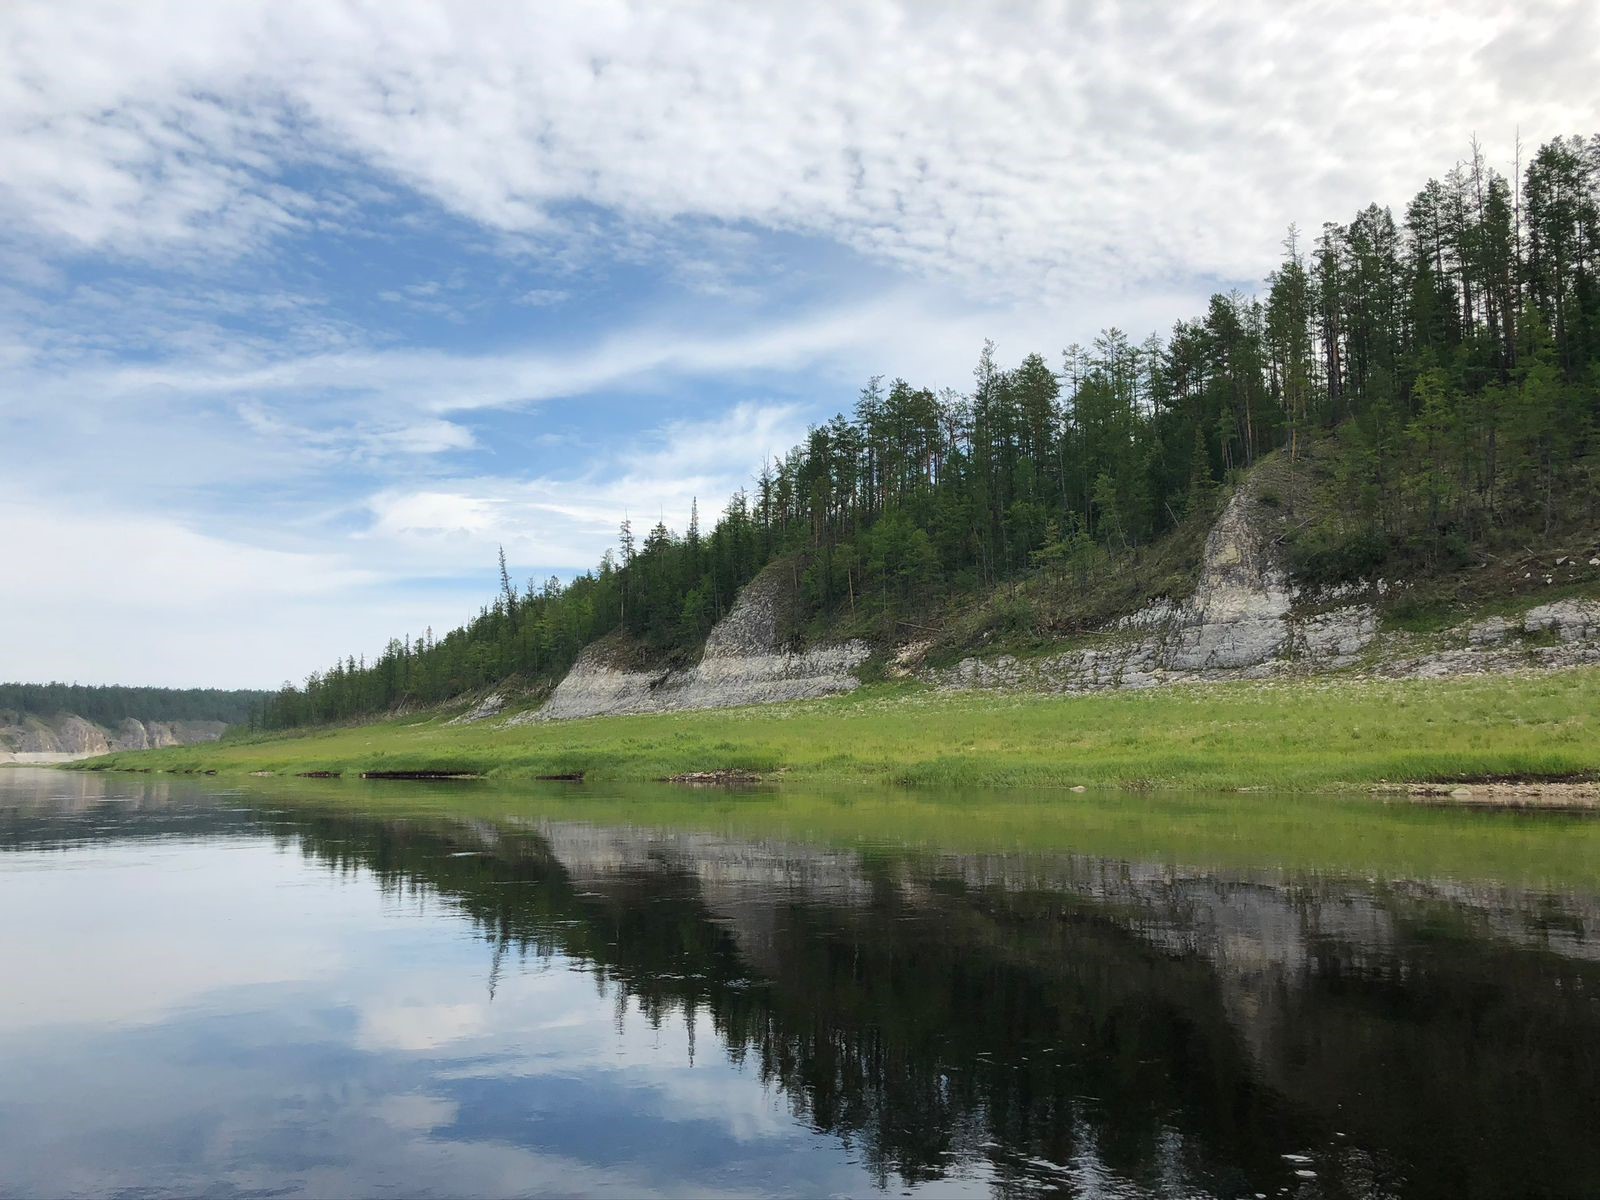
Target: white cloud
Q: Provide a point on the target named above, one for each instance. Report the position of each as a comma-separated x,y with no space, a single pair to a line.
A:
1034,171
420,1026
146,967
109,595
103,596
568,521
1038,147
543,297
150,562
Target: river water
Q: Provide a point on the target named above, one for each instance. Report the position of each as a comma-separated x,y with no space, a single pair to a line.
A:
331,988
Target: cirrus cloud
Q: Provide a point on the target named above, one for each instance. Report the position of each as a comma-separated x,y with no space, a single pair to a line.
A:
1037,147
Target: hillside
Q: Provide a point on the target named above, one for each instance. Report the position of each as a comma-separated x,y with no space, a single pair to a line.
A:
1454,678
56,722
64,737
109,704
1392,449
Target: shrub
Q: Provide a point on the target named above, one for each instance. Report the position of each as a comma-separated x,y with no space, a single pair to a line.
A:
1323,555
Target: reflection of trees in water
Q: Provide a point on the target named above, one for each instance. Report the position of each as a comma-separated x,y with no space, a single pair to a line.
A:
58,810
1057,1010
929,1019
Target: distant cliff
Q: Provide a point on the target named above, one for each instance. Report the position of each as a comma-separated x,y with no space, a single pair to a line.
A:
29,738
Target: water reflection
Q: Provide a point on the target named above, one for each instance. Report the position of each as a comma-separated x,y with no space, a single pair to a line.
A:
330,990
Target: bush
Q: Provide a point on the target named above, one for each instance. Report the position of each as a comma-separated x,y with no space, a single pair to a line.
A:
1325,555
1013,614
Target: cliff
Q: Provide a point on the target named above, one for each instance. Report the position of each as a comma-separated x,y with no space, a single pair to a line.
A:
26,738
745,661
1244,619
1247,620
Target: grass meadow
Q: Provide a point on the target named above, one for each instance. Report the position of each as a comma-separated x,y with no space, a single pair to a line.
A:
1283,735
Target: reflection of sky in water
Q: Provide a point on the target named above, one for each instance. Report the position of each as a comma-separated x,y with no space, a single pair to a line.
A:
224,1016
301,993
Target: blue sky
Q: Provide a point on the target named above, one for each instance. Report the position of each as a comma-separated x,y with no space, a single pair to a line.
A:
307,307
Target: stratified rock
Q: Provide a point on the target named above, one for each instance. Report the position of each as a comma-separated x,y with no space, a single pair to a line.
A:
66,736
489,706
76,736
1569,620
1337,638
743,663
1238,624
1238,616
131,735
1490,631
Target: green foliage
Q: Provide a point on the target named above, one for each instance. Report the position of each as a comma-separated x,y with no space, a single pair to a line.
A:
1454,359
109,705
1332,554
1414,614
1306,734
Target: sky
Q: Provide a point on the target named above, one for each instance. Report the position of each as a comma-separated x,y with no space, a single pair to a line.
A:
308,306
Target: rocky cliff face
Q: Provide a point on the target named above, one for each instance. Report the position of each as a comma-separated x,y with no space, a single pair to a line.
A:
1245,621
743,662
62,738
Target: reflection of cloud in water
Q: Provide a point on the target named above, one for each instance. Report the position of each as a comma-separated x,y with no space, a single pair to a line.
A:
136,933
419,1026
688,1012
416,1113
551,1022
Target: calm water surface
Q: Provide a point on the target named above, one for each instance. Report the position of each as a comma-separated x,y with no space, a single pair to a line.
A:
336,988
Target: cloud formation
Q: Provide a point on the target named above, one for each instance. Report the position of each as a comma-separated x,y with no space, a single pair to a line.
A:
305,305
1039,147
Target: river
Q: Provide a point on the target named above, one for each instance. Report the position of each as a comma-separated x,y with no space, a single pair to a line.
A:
330,987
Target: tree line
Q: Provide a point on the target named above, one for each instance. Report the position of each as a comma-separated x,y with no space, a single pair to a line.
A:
1444,367
107,705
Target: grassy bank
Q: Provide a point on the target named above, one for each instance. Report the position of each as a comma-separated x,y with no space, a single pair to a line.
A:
1303,734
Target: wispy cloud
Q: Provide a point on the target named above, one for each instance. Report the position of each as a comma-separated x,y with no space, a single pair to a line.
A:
563,521
1042,147
303,301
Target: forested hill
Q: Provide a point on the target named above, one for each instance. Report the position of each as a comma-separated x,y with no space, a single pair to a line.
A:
1440,368
109,705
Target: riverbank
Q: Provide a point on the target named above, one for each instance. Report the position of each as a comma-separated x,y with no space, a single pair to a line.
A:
37,758
1324,733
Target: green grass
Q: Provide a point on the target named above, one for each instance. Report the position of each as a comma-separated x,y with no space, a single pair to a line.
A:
1432,609
1380,838
1300,735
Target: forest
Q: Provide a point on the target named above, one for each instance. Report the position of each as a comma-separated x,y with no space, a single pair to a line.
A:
109,705
1443,366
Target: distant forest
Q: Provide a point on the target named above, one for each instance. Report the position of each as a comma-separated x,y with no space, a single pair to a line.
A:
1446,363
109,705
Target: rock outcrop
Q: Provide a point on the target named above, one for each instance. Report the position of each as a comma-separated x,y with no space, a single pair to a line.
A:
489,706
1246,621
61,738
1241,622
1239,613
744,662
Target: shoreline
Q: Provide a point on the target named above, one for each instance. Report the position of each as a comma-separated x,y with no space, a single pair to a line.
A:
1554,795
41,758
1492,737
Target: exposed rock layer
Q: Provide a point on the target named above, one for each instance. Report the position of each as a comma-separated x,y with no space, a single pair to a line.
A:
1245,621
64,737
744,662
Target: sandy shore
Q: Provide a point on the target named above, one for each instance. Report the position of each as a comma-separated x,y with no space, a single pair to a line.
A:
37,758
